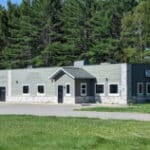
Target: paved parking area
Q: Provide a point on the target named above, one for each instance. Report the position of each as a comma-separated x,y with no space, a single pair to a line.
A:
66,111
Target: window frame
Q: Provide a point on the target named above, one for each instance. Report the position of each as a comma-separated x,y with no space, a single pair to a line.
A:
101,94
41,94
81,84
147,84
113,94
138,84
68,94
26,94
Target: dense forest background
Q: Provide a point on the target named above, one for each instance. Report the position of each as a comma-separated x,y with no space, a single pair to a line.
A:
57,32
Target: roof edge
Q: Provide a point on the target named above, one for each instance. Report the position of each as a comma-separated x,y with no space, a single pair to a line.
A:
59,70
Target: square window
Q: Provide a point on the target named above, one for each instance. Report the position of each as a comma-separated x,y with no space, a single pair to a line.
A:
25,89
99,88
40,89
113,88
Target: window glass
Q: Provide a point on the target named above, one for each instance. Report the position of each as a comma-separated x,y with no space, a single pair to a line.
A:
25,89
83,86
40,89
148,88
99,88
83,90
113,88
67,89
140,88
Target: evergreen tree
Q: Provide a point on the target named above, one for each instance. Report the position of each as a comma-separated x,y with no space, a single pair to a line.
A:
109,42
76,17
51,32
3,29
30,32
48,32
136,32
12,50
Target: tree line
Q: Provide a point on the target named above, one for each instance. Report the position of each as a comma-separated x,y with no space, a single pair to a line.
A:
57,32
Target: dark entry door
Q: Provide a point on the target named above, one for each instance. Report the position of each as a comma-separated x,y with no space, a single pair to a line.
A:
2,94
60,94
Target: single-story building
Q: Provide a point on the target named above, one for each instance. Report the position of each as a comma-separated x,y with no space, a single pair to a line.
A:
103,83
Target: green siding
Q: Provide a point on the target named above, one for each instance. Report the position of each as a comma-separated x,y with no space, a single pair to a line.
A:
106,74
62,81
101,72
32,77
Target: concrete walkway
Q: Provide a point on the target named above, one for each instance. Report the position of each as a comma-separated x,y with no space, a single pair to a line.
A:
66,111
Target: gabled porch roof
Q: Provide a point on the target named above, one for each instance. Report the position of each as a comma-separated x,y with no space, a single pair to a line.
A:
73,72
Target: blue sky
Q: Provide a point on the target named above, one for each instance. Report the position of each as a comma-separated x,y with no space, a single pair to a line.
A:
4,2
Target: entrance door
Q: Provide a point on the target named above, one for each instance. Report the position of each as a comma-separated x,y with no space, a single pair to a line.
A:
60,94
2,94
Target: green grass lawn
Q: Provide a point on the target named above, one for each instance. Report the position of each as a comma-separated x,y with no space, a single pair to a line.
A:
141,108
52,133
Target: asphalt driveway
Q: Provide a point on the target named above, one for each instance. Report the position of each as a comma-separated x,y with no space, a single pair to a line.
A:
66,111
